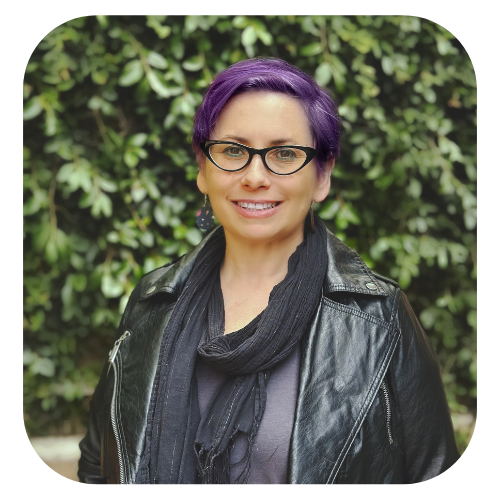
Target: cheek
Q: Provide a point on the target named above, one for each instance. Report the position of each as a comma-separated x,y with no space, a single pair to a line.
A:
219,190
306,187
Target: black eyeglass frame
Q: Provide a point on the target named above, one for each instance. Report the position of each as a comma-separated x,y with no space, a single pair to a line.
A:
205,147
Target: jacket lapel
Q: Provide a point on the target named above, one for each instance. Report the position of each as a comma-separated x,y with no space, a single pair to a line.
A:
344,357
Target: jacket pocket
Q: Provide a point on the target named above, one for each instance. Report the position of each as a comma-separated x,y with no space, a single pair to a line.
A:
386,404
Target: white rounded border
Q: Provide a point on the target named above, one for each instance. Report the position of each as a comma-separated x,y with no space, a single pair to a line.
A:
483,243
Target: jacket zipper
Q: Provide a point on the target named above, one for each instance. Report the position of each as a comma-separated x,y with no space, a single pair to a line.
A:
385,393
111,360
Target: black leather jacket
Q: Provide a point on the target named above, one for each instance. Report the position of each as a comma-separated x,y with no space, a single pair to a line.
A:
371,406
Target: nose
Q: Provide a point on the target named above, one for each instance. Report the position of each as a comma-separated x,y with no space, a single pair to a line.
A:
255,174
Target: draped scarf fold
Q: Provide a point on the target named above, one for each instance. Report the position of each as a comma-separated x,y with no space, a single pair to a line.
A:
182,447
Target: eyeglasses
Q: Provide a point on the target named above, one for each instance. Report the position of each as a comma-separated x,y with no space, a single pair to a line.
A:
280,160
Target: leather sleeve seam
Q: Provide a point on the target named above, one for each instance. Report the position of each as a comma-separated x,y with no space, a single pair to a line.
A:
395,305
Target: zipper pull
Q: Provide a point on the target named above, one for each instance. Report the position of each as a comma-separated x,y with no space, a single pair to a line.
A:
114,351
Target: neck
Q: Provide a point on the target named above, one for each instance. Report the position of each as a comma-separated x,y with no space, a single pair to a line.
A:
256,263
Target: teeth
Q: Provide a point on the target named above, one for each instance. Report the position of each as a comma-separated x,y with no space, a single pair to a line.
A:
256,206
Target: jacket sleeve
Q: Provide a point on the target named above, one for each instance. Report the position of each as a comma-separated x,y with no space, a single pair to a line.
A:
89,465
428,438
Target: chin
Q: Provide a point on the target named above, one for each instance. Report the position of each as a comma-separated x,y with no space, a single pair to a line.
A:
262,232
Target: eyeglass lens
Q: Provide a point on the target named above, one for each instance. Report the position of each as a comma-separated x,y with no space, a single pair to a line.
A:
280,160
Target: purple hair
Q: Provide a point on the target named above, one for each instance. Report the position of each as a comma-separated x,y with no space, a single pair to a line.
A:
273,75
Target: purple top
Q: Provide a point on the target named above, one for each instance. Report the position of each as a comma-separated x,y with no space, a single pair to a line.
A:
269,461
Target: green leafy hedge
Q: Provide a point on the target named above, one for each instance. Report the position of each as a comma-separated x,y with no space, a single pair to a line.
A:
109,175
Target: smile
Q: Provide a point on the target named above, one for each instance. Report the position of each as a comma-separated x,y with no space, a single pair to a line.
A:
256,209
257,206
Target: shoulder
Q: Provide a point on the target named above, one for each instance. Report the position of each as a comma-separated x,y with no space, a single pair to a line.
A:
171,277
351,282
164,283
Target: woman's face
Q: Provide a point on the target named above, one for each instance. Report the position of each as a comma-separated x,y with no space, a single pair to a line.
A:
263,119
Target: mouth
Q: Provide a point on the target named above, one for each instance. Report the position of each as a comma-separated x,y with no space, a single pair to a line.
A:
257,206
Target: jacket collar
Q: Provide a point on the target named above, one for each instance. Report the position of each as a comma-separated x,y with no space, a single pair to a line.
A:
346,272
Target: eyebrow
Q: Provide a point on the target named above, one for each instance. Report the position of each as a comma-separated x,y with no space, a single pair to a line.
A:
275,142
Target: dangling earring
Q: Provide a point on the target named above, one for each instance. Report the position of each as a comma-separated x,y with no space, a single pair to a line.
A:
205,217
311,214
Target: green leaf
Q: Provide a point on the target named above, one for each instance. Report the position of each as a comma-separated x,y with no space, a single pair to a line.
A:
194,63
103,21
472,318
160,215
152,189
193,235
51,251
404,277
169,121
100,77
329,210
79,282
106,205
50,123
155,22
265,37
458,253
138,192
111,287
470,219
350,213
43,366
428,318
31,67
311,49
65,172
107,185
131,74
387,65
157,85
248,36
414,189
147,239
28,357
180,232
375,172
95,102
77,261
32,108
157,60
240,22
130,159
191,23
323,74
177,47
138,139
429,95
442,257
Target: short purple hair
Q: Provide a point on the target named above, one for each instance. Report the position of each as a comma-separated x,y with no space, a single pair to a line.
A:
273,75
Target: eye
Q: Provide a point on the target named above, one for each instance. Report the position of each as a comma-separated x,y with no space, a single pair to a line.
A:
285,154
234,151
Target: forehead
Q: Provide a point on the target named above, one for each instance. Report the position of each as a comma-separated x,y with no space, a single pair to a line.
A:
263,115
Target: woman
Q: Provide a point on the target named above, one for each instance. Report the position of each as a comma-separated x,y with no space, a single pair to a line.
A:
270,353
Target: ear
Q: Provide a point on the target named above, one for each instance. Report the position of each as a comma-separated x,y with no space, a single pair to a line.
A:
201,181
324,181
